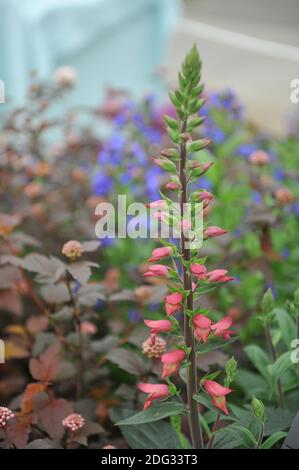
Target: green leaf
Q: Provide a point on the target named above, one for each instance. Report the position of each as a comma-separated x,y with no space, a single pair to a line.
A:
171,122
267,303
252,383
281,365
197,145
259,358
246,431
287,326
272,440
155,413
195,122
214,344
176,424
225,440
173,134
146,436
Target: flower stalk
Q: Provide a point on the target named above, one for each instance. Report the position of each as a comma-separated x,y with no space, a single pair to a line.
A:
187,274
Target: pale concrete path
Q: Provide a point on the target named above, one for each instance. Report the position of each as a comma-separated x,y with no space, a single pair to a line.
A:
250,46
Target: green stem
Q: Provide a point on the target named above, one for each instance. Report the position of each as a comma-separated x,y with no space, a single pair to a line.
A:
194,424
77,324
261,436
280,394
215,428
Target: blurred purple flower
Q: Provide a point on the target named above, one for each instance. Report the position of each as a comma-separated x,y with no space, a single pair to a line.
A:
102,184
256,197
246,149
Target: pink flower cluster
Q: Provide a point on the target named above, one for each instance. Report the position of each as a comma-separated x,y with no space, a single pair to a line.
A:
73,422
5,415
72,249
203,326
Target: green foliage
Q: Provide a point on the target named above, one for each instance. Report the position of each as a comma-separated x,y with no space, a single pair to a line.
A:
258,409
154,413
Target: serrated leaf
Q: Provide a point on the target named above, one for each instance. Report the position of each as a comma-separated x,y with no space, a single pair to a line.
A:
127,360
90,246
55,293
81,271
50,413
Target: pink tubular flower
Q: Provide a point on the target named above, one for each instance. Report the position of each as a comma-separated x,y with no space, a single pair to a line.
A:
5,415
155,391
198,270
157,270
219,275
172,362
160,253
221,328
207,166
204,196
88,328
218,394
213,231
158,326
73,422
172,186
173,303
159,204
202,327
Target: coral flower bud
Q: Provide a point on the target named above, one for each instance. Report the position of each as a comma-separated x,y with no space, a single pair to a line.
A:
202,327
221,328
172,361
159,204
219,275
157,270
158,326
160,253
204,196
213,231
218,394
155,391
198,270
173,303
172,186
